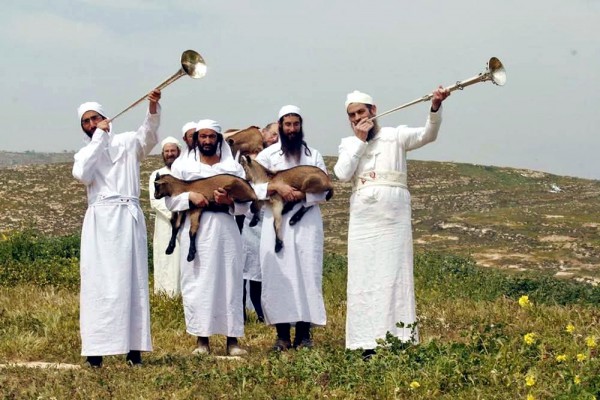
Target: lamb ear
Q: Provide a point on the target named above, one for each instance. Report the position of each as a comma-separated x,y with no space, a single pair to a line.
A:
157,177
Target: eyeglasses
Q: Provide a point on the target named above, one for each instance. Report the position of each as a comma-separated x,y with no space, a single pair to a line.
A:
94,118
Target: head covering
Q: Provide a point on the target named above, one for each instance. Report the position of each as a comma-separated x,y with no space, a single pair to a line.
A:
90,106
187,127
289,109
168,140
208,124
358,97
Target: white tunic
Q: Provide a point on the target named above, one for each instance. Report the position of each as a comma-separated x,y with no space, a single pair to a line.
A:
211,285
166,266
380,289
115,309
292,279
251,246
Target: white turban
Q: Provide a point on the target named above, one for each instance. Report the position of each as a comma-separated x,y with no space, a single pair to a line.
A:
187,127
90,106
289,109
358,97
208,124
169,140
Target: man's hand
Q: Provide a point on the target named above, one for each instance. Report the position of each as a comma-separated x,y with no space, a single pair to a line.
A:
289,193
439,95
361,129
222,197
104,125
198,199
154,97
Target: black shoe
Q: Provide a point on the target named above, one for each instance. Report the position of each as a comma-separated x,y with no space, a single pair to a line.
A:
94,361
305,343
368,354
281,345
134,358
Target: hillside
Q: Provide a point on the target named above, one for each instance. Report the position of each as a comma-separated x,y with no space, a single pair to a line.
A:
502,217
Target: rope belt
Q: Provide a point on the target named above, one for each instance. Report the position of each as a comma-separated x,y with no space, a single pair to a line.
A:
379,178
132,203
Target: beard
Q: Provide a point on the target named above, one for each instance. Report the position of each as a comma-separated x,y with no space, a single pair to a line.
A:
209,149
169,160
373,131
291,144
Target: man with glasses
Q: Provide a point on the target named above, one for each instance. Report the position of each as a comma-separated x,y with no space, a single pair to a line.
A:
114,299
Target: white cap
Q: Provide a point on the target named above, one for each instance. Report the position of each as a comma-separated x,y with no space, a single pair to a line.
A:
289,109
90,106
208,124
168,140
187,127
358,97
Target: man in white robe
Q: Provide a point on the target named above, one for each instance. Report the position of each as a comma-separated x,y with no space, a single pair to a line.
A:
114,303
380,291
251,239
166,266
211,284
292,278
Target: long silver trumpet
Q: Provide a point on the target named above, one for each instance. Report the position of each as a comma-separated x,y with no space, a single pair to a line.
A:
192,64
495,72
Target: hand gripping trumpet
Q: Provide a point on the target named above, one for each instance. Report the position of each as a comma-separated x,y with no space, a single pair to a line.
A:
495,72
192,64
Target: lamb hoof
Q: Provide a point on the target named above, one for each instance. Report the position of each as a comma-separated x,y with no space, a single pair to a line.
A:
278,245
253,222
295,218
170,249
191,257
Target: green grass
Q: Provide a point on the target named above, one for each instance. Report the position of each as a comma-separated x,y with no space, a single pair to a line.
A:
471,325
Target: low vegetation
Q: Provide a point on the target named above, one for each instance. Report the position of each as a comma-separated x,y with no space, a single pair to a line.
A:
483,334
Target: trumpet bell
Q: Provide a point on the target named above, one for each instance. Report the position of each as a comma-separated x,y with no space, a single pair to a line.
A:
193,64
497,71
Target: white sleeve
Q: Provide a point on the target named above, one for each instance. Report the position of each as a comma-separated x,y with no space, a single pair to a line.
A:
350,151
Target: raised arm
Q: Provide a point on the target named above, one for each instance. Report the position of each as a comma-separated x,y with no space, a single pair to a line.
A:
147,133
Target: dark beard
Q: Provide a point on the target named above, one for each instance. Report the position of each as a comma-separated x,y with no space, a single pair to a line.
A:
208,150
292,146
373,131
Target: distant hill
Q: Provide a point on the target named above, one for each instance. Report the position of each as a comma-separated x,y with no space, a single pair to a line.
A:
502,217
10,159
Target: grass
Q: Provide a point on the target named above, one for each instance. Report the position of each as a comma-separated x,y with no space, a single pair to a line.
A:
480,338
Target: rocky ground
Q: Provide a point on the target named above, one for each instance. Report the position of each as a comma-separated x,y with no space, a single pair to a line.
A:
502,217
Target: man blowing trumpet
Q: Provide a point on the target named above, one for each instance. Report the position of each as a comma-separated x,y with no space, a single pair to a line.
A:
380,253
114,299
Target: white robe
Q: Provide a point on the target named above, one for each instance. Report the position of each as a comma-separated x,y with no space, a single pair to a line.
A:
211,285
166,266
251,246
380,289
114,300
292,279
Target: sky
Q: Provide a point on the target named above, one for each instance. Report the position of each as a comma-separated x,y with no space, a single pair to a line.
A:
262,55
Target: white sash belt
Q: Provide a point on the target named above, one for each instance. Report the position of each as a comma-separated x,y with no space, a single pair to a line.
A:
379,178
132,203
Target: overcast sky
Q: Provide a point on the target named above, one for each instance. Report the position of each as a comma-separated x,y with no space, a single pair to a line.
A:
262,55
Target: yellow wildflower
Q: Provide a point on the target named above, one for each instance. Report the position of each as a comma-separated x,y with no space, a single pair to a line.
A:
581,357
577,380
570,328
530,397
590,341
415,385
529,338
561,357
530,380
524,302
